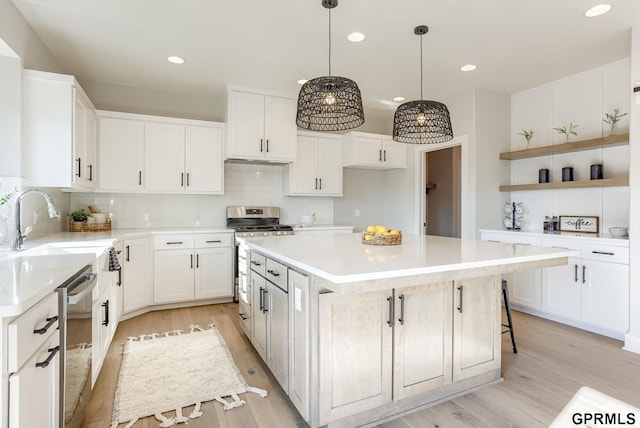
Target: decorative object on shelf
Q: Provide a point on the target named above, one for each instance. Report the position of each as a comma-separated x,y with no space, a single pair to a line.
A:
612,119
515,221
567,132
422,122
597,171
543,175
551,224
567,173
619,231
330,103
528,135
584,224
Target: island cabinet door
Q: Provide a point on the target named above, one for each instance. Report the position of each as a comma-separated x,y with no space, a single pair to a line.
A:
422,339
259,314
476,326
355,352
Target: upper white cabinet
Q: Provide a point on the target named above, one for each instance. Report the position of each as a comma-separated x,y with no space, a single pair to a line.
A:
261,126
373,151
158,154
59,136
318,168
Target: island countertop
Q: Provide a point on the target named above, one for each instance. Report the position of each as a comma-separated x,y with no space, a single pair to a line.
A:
342,258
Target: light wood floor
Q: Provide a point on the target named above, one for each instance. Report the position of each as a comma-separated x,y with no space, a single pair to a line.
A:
553,361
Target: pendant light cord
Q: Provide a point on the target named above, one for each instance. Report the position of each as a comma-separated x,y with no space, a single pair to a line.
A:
421,68
329,42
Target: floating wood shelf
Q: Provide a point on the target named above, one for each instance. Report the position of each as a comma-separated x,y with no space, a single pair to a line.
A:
614,140
608,182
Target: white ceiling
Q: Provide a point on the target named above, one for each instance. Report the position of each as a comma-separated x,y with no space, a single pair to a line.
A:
516,44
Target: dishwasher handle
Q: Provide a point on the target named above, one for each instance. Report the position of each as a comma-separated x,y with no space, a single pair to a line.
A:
77,290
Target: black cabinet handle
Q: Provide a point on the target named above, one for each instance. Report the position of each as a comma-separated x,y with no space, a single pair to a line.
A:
197,261
261,145
390,318
273,272
401,318
52,353
50,321
316,184
119,283
217,241
174,242
261,300
267,145
255,263
105,305
584,274
191,261
139,178
320,183
264,301
606,253
460,297
187,179
90,172
380,155
79,174
575,273
385,155
242,316
127,248
182,179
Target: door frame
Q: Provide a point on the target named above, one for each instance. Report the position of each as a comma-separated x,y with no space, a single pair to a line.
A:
467,185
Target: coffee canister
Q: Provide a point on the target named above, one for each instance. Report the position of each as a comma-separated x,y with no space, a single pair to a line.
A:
543,175
567,173
596,171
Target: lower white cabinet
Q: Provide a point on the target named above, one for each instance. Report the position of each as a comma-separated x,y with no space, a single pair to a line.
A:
137,282
299,353
104,318
192,266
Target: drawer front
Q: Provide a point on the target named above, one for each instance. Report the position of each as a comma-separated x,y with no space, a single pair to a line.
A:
277,274
172,242
510,238
21,336
244,312
562,244
258,263
212,240
605,253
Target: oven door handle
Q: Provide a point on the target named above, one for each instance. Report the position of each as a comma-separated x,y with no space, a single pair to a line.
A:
77,291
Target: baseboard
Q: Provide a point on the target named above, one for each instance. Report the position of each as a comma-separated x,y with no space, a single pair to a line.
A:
631,343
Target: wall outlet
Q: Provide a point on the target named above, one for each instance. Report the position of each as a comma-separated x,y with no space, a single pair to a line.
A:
357,212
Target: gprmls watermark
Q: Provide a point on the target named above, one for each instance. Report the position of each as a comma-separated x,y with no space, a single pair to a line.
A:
604,419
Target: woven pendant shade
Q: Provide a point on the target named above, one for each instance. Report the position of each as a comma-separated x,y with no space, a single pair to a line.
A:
330,103
422,122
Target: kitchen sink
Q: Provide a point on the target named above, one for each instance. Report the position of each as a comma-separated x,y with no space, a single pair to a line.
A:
57,249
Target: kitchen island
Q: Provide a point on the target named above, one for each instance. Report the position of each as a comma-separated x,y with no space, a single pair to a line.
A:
357,334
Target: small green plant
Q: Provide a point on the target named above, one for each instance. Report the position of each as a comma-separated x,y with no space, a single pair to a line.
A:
612,119
78,216
6,198
567,132
528,135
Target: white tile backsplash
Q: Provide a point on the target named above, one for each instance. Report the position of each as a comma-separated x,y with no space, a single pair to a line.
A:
245,184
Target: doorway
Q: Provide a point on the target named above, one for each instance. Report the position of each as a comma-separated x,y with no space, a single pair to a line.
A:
443,177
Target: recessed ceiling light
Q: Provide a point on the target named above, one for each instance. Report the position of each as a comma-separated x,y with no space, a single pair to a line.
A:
356,37
398,99
597,10
302,81
468,67
175,60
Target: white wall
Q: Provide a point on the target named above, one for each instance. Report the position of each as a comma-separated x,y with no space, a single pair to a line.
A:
632,339
10,109
244,185
363,190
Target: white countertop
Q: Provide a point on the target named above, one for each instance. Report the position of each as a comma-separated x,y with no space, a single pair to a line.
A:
322,227
342,258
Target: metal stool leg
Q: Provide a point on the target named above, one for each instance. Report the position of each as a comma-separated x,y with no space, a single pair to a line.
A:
505,296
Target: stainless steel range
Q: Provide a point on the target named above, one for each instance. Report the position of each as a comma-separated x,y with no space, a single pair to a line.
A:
257,221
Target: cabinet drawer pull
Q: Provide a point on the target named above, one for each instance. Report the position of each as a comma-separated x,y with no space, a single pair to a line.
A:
320,183
460,297
182,179
261,145
606,253
52,353
119,283
316,184
243,317
380,155
401,318
127,258
50,321
385,155
576,274
105,305
492,240
139,178
390,318
191,261
197,261
174,242
217,241
264,301
584,272
79,174
256,263
267,145
273,272
187,179
90,172
261,300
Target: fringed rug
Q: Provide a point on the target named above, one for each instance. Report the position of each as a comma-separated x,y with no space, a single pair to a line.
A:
164,373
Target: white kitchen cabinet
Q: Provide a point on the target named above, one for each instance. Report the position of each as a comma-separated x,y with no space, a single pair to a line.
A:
317,170
137,287
422,339
373,151
192,266
104,322
261,126
245,298
258,314
476,326
158,154
299,353
121,151
60,142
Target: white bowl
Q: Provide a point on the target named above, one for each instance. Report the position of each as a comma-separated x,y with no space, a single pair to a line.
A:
619,232
100,217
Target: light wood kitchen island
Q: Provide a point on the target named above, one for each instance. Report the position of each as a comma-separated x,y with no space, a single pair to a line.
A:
357,334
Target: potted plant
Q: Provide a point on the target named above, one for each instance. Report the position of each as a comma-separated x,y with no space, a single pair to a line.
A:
78,216
612,119
567,132
528,135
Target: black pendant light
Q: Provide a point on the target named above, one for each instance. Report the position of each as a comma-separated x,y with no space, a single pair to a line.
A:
422,122
330,103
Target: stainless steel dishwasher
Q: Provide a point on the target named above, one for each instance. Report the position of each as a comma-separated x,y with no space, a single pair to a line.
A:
75,346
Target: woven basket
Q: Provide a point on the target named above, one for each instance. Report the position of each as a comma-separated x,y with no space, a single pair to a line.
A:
83,226
371,239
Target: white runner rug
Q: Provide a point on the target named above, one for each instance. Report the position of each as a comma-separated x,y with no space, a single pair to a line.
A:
162,373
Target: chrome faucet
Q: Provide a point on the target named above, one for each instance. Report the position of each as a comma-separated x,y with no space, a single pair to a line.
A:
53,213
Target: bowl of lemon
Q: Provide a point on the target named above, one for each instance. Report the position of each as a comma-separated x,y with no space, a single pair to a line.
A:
381,235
